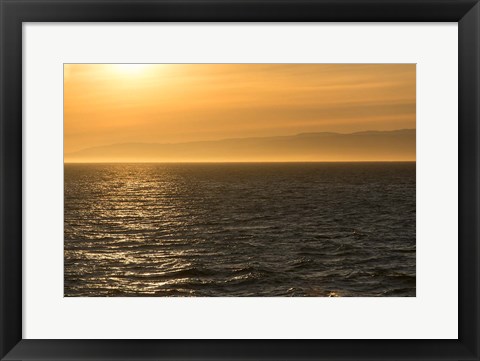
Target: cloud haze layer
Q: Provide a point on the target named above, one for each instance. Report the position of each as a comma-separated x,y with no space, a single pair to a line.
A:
363,146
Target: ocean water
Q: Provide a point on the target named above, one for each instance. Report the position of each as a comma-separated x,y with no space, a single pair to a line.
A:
273,229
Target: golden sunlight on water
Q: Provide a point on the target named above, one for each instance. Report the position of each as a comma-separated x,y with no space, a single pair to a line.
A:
321,230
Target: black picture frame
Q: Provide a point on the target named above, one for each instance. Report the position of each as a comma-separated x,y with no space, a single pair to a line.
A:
15,12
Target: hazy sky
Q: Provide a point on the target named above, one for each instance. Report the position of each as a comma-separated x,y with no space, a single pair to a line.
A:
112,103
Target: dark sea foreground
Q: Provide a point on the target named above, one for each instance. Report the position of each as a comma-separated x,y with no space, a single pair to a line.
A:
272,229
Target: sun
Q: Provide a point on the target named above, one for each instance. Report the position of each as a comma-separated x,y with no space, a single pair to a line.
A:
133,69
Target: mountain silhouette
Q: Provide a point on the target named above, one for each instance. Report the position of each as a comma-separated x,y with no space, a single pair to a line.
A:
397,145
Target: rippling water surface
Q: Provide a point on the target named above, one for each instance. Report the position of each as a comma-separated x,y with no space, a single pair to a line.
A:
292,229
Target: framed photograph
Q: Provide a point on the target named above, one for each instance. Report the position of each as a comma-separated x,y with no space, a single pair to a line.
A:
239,180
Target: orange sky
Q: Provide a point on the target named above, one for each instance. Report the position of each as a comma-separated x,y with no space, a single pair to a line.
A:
171,103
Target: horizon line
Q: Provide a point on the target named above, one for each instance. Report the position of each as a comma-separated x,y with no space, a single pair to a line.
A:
243,162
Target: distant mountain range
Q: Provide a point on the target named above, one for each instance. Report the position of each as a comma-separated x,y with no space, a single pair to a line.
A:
397,145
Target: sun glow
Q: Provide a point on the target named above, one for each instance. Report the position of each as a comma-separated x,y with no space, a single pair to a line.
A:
132,69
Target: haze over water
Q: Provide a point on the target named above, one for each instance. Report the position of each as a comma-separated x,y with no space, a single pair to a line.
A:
240,229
